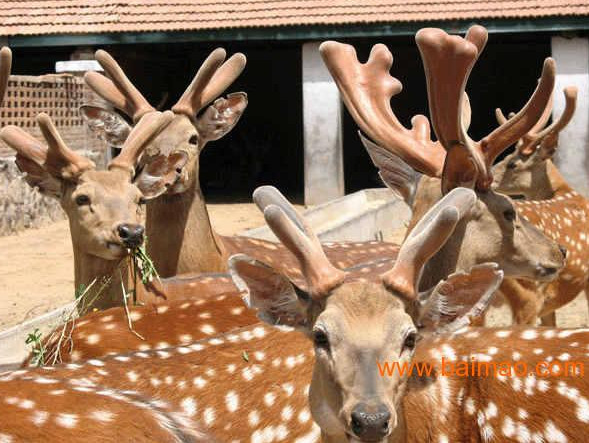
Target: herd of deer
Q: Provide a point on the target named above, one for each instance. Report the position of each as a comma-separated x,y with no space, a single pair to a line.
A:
218,359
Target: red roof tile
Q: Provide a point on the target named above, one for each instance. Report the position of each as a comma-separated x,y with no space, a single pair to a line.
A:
18,17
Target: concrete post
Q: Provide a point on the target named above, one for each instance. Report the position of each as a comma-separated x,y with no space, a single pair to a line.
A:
572,62
322,126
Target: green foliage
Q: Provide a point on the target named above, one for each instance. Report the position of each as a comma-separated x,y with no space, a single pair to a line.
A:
37,348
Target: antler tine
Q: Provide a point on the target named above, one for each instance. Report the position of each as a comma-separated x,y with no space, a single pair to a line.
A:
143,132
210,81
551,131
320,274
5,66
518,125
539,135
120,91
264,196
426,238
24,144
499,116
366,90
544,118
61,160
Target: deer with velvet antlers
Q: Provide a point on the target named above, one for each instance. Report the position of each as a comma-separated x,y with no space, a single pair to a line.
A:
170,169
553,205
492,225
261,383
103,207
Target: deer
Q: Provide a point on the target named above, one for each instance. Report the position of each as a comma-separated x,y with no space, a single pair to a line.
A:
170,167
311,373
550,203
492,228
104,208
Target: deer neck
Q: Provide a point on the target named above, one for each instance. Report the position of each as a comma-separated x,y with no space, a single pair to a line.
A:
104,276
180,238
555,185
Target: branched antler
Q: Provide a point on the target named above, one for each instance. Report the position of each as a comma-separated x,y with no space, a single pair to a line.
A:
448,61
542,136
366,90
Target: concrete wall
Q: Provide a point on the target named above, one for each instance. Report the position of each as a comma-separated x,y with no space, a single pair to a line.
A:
324,172
572,61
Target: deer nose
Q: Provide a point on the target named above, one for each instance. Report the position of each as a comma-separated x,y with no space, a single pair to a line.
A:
370,423
130,234
563,251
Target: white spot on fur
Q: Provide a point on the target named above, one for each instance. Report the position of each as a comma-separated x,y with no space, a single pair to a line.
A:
39,417
232,401
553,434
253,418
67,420
188,405
209,416
102,416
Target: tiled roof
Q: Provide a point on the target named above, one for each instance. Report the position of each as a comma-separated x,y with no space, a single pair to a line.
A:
19,17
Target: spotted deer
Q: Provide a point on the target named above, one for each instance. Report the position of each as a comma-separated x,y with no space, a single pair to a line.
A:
261,383
103,207
552,205
492,229
170,168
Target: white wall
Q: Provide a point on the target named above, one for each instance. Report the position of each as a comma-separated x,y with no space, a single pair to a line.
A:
572,67
322,126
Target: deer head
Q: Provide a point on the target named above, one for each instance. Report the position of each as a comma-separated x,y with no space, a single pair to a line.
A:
491,229
103,207
353,324
170,163
526,170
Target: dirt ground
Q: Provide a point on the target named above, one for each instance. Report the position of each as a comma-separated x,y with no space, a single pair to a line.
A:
36,269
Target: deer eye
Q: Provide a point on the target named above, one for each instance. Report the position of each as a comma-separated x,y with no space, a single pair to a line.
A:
509,215
193,140
82,200
511,165
320,339
410,340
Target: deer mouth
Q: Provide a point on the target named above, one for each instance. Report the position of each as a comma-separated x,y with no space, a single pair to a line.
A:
353,439
117,249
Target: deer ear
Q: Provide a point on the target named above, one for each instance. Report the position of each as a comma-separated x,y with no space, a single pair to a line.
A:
31,156
37,177
160,174
277,301
220,117
393,170
463,297
106,124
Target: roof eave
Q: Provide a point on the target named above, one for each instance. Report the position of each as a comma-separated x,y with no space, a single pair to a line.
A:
306,32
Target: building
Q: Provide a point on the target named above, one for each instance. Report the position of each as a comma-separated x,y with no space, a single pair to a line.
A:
294,133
